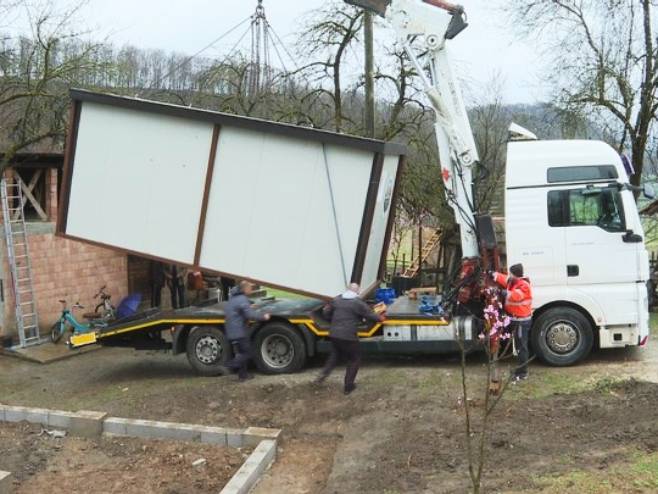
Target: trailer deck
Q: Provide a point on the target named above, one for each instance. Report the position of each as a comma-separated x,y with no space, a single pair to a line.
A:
403,314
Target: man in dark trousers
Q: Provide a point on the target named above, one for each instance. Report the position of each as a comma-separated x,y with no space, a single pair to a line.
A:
175,276
238,313
346,312
157,276
517,293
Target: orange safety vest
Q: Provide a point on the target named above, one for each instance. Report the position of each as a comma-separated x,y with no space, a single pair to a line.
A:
518,302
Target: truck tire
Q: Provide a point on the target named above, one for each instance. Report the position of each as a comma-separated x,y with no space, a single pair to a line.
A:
562,336
279,349
208,351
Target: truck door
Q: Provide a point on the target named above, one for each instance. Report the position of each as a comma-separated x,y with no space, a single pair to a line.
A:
595,229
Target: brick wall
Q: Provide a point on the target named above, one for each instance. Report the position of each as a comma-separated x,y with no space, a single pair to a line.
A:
64,269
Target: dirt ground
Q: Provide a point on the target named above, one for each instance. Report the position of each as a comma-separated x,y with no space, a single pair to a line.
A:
42,463
587,429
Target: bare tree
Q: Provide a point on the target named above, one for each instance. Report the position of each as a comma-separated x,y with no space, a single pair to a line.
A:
490,122
604,62
326,41
400,85
34,78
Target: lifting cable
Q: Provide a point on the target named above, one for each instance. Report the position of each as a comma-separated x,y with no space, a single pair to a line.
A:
202,50
209,80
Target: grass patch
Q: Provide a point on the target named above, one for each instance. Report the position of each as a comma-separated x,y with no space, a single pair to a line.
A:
553,382
653,323
274,292
638,474
548,383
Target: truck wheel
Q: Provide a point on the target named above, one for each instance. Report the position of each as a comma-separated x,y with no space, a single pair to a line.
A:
208,351
562,336
279,349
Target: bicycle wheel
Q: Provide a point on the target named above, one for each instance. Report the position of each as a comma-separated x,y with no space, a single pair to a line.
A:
56,331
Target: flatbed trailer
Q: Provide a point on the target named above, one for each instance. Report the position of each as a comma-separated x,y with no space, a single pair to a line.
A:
295,332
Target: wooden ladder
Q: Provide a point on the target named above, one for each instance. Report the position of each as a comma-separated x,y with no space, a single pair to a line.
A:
428,248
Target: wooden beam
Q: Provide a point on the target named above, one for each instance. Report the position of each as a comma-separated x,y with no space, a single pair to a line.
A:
206,195
27,192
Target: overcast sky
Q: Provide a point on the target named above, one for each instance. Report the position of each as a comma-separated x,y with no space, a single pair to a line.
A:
483,51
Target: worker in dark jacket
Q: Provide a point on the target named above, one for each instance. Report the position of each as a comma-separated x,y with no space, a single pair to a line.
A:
517,293
346,312
238,313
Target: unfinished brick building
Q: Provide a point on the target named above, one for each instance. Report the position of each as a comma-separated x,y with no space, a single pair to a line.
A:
61,269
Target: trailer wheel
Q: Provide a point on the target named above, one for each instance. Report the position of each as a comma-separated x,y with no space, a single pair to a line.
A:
562,336
208,351
279,349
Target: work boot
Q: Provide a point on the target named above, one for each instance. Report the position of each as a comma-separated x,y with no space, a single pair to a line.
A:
349,389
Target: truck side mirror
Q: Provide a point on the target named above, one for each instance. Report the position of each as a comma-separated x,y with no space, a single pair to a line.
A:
630,237
649,191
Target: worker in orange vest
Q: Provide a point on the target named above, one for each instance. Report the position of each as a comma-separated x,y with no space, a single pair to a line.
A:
517,293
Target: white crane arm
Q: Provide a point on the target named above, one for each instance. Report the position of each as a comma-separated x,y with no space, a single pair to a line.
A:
432,23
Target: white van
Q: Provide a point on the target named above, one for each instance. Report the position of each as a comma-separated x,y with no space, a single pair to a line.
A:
571,219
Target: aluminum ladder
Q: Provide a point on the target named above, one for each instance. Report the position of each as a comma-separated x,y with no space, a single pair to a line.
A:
18,256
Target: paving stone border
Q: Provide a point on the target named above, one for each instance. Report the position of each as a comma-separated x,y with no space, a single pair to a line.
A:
252,469
6,482
90,424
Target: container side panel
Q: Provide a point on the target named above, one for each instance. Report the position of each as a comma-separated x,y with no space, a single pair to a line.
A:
138,181
349,175
270,215
380,221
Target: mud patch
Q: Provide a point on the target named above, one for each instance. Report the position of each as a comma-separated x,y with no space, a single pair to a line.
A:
532,440
41,463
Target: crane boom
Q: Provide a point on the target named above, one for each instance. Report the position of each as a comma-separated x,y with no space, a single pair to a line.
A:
426,26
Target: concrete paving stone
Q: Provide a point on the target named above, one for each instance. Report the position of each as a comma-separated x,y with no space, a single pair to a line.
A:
182,432
254,435
150,429
214,435
60,419
87,424
15,414
241,483
252,469
115,426
36,416
6,482
263,455
234,438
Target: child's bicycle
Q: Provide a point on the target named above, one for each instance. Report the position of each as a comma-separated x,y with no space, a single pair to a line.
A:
68,322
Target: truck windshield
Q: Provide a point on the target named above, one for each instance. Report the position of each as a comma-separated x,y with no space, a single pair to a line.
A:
583,207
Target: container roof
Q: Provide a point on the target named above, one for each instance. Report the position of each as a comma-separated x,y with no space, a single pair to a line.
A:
249,123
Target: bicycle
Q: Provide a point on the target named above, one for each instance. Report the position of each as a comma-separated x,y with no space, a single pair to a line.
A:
68,322
107,310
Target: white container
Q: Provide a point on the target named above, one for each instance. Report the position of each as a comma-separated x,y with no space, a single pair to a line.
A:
291,207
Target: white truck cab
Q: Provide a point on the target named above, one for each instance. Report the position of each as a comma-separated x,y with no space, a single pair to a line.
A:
571,219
